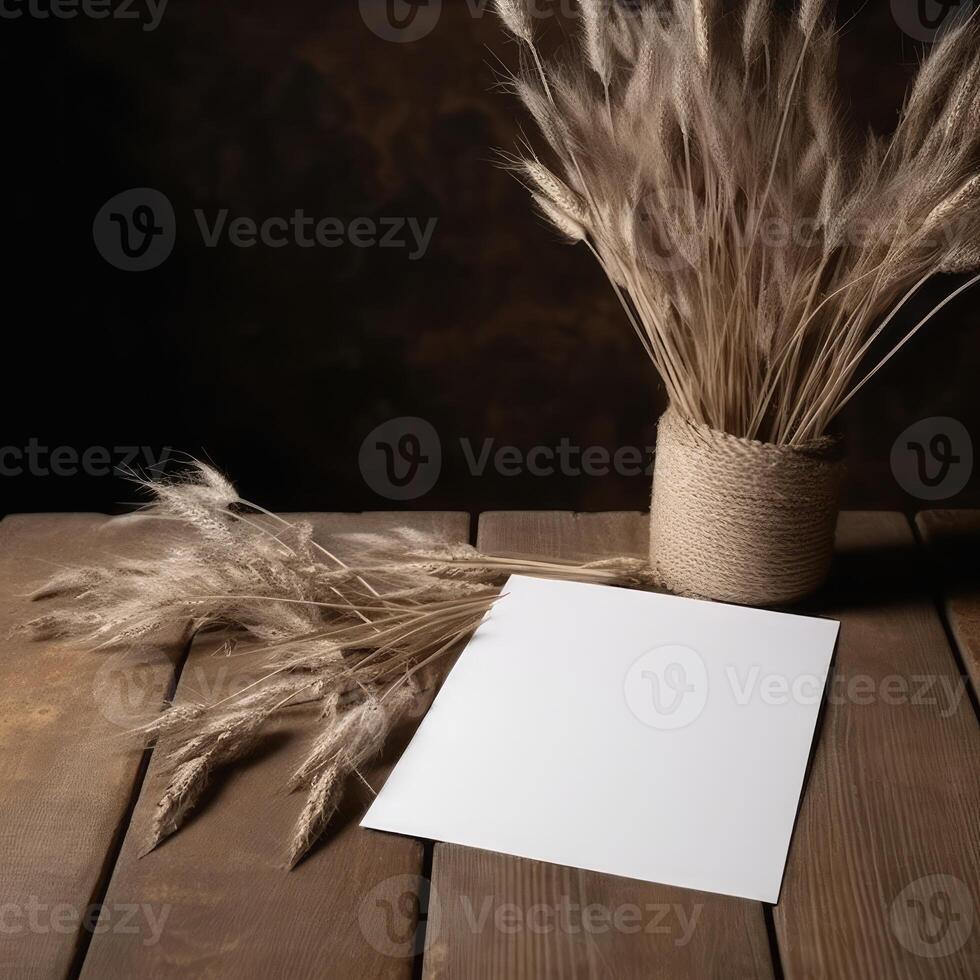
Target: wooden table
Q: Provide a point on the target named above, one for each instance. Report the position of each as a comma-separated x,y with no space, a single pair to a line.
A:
882,879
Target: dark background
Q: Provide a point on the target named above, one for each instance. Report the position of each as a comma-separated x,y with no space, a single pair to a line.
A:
277,363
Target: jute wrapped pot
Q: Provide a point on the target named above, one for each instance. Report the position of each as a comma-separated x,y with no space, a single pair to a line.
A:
738,520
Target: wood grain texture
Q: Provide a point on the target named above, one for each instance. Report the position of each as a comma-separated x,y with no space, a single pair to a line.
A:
565,535
952,538
894,791
231,909
67,777
502,916
507,917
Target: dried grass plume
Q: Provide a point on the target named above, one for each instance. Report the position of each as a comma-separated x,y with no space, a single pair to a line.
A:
367,639
759,249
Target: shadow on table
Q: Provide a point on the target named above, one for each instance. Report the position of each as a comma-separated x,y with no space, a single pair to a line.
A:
890,574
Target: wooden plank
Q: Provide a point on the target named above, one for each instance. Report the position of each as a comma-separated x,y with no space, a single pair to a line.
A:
952,538
67,779
882,878
229,908
564,535
501,916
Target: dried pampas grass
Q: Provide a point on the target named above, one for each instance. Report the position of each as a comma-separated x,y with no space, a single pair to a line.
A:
759,254
367,640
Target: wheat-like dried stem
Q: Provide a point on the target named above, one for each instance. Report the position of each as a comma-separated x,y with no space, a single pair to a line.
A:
366,635
683,138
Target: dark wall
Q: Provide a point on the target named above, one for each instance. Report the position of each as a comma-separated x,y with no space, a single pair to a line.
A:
277,362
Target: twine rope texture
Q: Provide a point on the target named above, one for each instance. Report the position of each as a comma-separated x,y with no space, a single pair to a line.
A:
738,520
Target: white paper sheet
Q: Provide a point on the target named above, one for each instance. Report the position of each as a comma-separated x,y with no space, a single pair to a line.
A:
637,734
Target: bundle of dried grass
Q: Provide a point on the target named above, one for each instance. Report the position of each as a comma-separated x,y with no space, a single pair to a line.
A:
368,639
759,255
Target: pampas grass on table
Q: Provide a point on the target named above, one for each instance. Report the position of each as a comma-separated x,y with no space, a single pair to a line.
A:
367,639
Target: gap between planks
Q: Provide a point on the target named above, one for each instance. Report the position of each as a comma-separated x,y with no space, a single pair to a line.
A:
952,540
67,774
350,909
729,938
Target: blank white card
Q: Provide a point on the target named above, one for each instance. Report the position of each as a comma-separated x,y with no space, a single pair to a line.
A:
626,732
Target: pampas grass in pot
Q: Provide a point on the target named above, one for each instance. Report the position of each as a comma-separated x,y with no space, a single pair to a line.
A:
761,256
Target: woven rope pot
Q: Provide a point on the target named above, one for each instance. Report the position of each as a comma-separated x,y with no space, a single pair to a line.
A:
738,520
